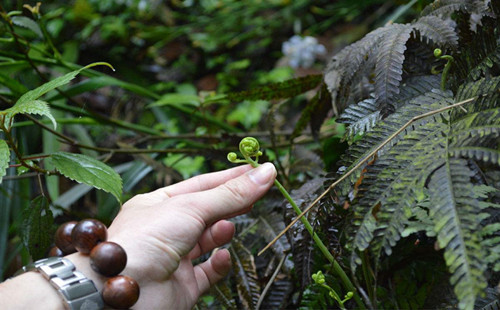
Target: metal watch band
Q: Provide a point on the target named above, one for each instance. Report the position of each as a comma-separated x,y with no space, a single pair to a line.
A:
78,292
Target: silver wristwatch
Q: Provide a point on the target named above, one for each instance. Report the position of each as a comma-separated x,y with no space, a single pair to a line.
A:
78,292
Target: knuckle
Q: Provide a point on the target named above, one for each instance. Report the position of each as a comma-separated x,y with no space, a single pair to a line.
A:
239,192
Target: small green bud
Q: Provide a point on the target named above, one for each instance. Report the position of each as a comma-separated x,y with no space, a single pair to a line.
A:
318,277
232,157
349,295
438,52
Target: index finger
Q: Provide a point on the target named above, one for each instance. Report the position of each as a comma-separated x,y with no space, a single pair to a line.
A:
231,198
202,182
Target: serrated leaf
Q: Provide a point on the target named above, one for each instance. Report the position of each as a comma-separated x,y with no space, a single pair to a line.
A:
57,82
38,107
176,99
37,233
4,159
25,22
88,170
28,102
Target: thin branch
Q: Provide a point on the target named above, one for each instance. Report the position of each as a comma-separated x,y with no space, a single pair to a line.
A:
60,135
270,282
371,154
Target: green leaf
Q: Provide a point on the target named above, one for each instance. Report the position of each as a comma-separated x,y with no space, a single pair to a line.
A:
30,107
37,233
177,100
90,171
28,23
28,102
57,82
4,159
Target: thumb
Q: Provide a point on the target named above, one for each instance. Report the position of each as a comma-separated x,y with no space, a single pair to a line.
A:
232,198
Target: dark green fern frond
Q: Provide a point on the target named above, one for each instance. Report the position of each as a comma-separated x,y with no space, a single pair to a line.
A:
486,92
279,90
440,32
279,295
457,215
486,65
389,64
358,151
477,136
360,117
222,294
270,225
346,64
392,187
246,275
445,8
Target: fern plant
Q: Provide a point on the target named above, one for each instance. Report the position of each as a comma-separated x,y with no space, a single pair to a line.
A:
432,177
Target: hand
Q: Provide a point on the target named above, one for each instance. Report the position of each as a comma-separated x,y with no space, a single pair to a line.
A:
163,231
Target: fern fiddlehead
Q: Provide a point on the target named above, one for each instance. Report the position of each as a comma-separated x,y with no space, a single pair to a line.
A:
438,53
250,149
319,279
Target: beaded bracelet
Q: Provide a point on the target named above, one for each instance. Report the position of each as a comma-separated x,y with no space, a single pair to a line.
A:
106,258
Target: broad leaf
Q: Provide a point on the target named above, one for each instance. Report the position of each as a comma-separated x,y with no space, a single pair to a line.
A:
4,159
90,171
38,227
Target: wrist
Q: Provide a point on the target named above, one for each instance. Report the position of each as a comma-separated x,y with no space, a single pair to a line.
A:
82,264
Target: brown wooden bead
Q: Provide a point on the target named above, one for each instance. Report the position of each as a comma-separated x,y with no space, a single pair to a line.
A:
63,237
108,258
120,292
87,234
55,251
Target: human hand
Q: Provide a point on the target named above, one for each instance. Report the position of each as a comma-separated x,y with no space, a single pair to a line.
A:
163,231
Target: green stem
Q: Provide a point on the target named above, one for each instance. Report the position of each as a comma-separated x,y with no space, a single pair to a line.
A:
335,296
336,266
446,69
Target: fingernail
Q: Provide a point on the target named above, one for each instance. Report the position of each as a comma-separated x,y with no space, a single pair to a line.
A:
262,174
